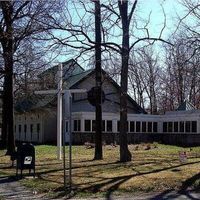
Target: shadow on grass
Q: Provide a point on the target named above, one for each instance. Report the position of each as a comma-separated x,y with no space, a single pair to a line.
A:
96,186
49,164
171,194
114,183
7,179
112,164
117,181
7,167
194,181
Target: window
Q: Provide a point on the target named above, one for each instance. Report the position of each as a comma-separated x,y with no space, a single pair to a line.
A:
187,126
66,126
149,127
137,126
31,130
132,126
15,128
103,126
87,125
181,125
20,130
144,127
77,125
38,131
170,127
155,127
38,128
93,125
25,130
164,127
194,126
109,126
175,127
118,126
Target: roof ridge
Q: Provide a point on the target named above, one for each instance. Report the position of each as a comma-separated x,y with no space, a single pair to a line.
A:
81,72
51,68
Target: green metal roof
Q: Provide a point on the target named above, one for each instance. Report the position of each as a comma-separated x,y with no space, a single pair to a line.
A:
41,101
36,101
66,66
72,80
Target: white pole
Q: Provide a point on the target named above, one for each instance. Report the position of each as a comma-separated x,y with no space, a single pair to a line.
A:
67,117
59,113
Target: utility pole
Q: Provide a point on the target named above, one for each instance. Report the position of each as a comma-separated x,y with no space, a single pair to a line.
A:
59,112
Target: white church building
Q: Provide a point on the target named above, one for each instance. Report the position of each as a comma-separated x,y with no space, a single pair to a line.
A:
36,116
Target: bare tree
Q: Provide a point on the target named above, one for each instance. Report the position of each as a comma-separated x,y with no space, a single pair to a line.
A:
19,20
182,71
116,21
144,77
98,132
125,154
29,63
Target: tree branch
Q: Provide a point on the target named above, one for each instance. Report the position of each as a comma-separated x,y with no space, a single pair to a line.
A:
132,11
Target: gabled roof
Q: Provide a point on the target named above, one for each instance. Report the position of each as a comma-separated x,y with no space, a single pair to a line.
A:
74,79
92,71
35,101
66,64
40,101
186,105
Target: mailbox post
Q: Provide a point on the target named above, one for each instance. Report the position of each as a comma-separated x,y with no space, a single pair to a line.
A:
25,158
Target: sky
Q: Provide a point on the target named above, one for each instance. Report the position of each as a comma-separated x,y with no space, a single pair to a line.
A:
172,9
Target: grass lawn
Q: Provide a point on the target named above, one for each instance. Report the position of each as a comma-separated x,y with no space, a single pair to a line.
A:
156,169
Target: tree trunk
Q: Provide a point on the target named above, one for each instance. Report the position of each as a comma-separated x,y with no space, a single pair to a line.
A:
180,85
98,129
125,154
4,118
10,110
7,44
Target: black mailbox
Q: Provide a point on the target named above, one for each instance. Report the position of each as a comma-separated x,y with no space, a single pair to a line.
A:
25,158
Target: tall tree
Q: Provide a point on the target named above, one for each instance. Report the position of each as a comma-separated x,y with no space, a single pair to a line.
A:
144,77
6,40
116,19
19,20
98,132
149,68
85,38
29,63
181,76
125,154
